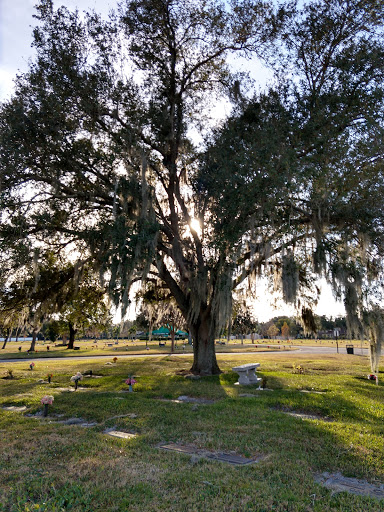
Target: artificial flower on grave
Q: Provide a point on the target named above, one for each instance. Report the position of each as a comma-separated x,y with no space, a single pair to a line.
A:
47,400
130,381
77,377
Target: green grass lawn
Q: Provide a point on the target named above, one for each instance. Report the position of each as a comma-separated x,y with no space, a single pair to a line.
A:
49,466
123,347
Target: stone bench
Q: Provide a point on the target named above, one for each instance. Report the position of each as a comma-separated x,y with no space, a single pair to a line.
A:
247,374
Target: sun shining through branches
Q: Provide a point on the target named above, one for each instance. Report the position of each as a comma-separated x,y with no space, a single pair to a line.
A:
290,186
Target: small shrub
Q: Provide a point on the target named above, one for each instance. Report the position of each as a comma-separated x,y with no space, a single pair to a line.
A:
298,369
9,375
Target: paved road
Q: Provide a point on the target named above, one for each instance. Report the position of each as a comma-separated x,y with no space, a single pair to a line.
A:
300,349
318,349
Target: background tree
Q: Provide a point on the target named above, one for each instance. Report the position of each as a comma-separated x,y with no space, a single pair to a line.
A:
294,326
272,331
285,330
150,298
141,322
173,319
129,328
9,322
329,324
36,292
87,308
53,329
160,308
243,321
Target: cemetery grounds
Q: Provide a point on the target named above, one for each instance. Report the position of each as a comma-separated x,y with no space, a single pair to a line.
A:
317,418
48,349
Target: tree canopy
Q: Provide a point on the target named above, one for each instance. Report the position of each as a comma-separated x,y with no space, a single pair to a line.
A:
36,292
160,308
86,308
98,153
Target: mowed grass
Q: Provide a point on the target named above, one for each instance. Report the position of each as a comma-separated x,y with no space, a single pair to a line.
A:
137,347
124,347
49,466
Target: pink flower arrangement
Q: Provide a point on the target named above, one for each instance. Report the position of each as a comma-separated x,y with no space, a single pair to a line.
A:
130,381
47,400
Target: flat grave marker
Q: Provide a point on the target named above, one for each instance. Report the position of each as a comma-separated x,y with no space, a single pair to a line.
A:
15,408
121,435
229,458
305,416
338,483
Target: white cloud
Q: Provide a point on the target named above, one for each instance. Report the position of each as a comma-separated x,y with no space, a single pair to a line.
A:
6,83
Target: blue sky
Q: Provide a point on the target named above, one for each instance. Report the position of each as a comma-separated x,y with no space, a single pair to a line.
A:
16,22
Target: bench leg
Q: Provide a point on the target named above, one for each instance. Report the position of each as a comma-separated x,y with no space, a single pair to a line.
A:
252,377
243,378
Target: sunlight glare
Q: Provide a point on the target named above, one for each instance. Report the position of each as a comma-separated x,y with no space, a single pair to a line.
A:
195,225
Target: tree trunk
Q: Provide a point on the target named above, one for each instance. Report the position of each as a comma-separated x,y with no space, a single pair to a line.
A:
72,334
149,334
204,356
374,356
172,340
6,339
229,333
33,343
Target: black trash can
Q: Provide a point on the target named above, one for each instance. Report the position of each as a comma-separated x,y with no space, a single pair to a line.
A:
349,349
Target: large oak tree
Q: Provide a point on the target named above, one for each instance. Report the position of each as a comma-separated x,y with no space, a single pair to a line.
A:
98,153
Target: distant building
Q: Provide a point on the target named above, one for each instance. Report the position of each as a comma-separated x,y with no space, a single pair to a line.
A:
338,332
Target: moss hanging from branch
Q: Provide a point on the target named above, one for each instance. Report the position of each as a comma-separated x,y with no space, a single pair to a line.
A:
320,259
308,320
289,278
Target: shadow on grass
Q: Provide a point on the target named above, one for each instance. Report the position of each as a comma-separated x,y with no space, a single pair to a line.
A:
294,448
18,387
